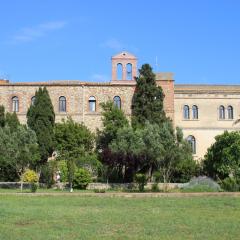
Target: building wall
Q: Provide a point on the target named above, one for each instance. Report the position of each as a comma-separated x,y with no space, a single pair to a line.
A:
208,125
77,96
206,98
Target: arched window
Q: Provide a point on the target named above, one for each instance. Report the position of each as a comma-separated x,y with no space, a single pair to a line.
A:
119,71
33,100
186,112
221,112
15,104
117,102
62,104
129,71
92,104
192,141
194,112
230,112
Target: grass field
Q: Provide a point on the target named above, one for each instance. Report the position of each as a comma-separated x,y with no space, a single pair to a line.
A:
81,217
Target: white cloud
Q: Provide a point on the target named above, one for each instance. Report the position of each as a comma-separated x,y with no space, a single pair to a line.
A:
31,33
100,78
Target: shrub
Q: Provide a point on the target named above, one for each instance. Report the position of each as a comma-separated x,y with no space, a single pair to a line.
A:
230,184
185,170
34,187
62,166
47,173
30,176
157,176
141,181
222,158
201,184
81,179
155,187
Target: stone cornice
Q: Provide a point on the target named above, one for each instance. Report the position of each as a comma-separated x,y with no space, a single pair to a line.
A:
206,89
68,83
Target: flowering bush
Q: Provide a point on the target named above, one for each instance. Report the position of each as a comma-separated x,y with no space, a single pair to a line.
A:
30,176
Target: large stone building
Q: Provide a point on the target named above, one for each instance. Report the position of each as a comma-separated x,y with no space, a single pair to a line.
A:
202,111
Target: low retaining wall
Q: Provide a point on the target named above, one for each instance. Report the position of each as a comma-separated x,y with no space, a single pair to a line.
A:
92,186
121,186
13,185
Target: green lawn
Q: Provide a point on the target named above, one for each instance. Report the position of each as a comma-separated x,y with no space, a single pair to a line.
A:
81,217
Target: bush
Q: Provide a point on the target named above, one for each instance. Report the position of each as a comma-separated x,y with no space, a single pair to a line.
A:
230,184
155,187
47,173
185,170
141,180
81,179
30,176
201,184
157,176
62,166
222,158
34,187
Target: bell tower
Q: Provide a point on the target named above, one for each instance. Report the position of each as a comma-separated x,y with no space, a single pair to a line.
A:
124,68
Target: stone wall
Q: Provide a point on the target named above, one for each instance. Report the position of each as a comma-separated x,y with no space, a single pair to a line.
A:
77,99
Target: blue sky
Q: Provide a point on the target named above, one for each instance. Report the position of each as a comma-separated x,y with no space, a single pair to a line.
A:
74,40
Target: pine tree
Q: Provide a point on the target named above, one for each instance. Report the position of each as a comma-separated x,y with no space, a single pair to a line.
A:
148,98
41,119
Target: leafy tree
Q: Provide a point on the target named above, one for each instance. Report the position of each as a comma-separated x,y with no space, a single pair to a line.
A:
41,118
186,167
147,104
18,150
127,151
222,158
150,144
152,148
73,139
75,144
113,119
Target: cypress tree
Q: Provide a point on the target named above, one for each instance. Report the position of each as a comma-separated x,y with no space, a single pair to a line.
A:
2,116
9,119
12,121
41,119
148,98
